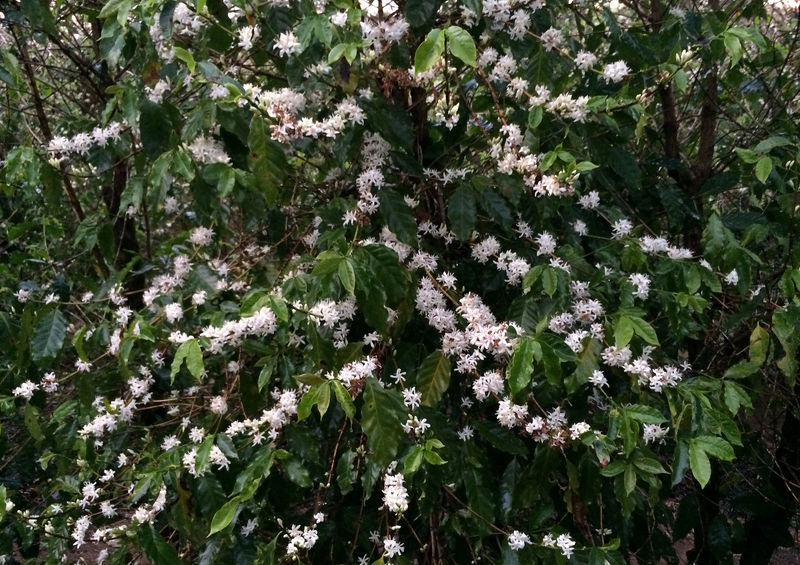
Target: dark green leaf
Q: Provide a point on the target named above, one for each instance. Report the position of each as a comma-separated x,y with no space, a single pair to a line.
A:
520,368
461,211
48,337
224,516
381,416
433,378
343,398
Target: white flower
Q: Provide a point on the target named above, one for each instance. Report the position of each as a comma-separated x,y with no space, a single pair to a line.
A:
732,278
653,433
395,495
621,228
201,236
517,540
219,405
552,39
339,18
585,60
25,390
247,35
565,543
173,312
392,547
287,44
615,72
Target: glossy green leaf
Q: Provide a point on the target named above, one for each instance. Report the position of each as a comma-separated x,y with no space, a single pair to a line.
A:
520,368
433,378
461,211
224,516
382,416
48,337
343,398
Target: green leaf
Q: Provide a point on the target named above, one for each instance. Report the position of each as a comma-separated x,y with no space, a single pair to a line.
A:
266,160
336,53
549,281
224,516
413,460
434,458
644,414
741,370
614,468
520,368
48,336
771,143
420,13
735,397
155,127
39,15
715,446
629,479
644,330
318,395
347,275
461,45
786,327
278,305
699,463
31,418
429,51
763,168
398,216
382,416
759,345
155,548
495,205
734,47
648,465
623,331
249,480
343,398
461,211
433,378
183,55
190,352
535,115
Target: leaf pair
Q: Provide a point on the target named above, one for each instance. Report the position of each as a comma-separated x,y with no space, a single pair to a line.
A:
459,44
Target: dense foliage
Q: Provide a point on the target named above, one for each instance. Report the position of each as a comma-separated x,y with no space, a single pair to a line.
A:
512,281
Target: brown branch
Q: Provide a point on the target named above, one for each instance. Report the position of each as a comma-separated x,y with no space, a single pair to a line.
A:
44,123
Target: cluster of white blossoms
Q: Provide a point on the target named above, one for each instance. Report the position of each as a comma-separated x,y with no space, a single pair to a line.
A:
81,143
208,150
395,495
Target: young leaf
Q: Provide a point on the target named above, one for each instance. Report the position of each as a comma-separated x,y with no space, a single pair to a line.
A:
763,168
701,466
429,51
224,516
347,275
461,45
190,352
520,368
343,398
